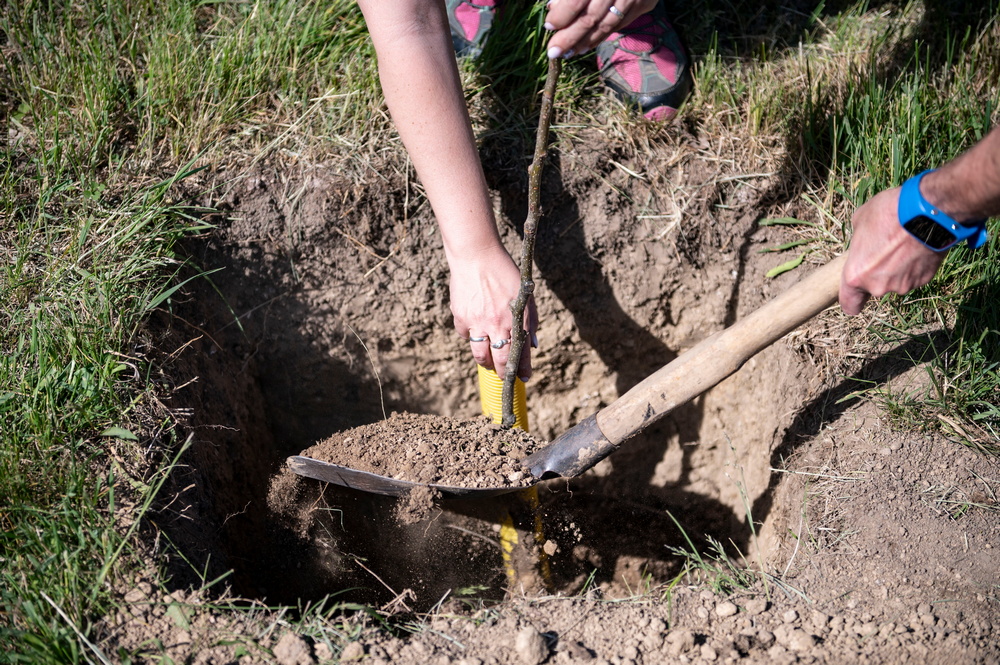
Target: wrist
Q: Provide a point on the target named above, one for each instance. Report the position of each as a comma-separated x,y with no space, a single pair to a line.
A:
937,186
931,224
470,254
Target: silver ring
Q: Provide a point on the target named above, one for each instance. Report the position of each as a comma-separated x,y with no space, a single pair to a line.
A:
479,339
617,12
500,343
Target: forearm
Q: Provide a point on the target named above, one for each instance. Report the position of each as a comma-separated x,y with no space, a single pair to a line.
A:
423,91
884,258
968,187
424,94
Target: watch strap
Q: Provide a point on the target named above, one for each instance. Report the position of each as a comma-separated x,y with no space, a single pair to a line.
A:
928,223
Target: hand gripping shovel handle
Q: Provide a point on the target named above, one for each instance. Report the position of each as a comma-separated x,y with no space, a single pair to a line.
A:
689,375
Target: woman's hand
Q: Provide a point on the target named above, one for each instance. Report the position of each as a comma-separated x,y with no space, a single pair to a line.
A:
580,25
424,94
482,290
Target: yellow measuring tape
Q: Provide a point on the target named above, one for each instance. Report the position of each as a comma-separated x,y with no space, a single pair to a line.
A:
491,398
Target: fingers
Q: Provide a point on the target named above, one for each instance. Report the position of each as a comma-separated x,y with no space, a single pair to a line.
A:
883,257
853,287
482,290
481,353
579,34
493,352
852,299
580,25
500,349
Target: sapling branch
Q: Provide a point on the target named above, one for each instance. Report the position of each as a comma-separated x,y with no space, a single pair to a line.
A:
518,333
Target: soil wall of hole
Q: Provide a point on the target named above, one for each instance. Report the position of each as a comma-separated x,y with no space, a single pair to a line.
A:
331,308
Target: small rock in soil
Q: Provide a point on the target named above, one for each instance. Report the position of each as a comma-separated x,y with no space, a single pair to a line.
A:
800,640
417,506
293,650
530,646
726,609
678,641
354,651
323,652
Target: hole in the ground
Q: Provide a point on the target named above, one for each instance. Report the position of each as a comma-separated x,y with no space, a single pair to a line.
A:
332,308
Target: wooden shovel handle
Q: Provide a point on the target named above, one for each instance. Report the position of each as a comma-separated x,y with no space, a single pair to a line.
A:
689,375
720,355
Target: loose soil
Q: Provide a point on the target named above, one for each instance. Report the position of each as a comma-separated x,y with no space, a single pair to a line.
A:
332,307
433,450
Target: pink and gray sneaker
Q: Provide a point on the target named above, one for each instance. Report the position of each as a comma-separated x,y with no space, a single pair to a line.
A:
645,64
470,20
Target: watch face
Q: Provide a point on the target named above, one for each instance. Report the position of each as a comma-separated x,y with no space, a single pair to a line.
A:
929,232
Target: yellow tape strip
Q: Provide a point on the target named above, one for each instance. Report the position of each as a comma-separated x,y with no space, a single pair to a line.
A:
491,399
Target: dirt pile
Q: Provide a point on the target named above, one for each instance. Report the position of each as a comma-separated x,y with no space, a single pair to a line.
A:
433,450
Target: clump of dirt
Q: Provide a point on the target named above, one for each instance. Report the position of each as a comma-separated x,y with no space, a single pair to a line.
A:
435,450
418,505
285,498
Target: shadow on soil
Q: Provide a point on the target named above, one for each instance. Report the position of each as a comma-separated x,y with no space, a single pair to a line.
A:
259,386
263,386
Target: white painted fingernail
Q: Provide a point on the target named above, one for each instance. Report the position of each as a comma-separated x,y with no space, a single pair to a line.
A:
554,52
548,26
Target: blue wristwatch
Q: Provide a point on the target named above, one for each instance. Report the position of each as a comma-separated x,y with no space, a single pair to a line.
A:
932,227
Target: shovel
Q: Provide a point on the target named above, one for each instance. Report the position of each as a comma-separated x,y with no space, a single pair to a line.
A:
688,376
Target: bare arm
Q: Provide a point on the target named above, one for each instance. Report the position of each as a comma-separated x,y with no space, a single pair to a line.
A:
884,258
423,92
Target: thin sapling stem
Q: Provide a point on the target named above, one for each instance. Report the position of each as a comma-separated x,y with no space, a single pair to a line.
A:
518,333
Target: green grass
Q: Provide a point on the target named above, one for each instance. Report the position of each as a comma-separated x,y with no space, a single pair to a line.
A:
79,274
109,102
931,110
128,79
860,100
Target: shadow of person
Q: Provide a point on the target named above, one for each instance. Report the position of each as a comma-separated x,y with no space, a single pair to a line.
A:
623,539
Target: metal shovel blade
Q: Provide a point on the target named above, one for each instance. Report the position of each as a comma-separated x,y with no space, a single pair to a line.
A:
376,484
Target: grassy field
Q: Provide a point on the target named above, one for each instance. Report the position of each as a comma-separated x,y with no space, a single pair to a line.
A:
113,108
